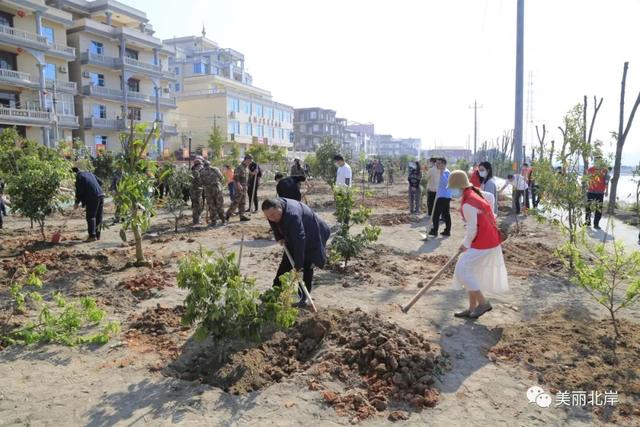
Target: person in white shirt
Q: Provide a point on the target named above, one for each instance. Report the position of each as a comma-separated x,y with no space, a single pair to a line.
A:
433,180
518,185
343,175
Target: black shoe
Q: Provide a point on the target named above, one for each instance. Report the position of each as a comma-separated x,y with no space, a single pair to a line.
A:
244,218
433,233
596,227
226,217
587,224
446,233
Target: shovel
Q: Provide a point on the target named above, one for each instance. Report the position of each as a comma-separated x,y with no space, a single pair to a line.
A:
405,308
430,226
300,283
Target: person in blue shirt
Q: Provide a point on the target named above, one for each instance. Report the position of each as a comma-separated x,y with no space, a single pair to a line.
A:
443,200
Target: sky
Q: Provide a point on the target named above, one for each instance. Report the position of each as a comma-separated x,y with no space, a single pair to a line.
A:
414,67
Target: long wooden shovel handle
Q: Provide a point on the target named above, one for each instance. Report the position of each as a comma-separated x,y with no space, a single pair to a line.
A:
300,283
416,297
240,251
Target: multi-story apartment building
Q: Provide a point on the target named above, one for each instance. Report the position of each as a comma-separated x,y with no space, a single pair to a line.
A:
312,126
36,95
214,90
122,72
358,137
388,146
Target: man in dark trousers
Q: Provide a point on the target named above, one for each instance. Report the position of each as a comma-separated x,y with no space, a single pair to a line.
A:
289,187
89,194
303,233
255,173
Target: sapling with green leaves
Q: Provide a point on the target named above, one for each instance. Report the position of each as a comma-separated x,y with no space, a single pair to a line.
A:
344,244
134,196
58,321
224,304
175,180
609,274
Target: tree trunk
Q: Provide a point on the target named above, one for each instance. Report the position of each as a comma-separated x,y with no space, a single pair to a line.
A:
41,223
138,239
622,135
551,152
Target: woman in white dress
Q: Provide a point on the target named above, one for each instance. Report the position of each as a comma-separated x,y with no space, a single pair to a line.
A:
481,267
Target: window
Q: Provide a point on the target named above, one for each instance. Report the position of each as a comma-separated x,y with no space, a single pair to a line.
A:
48,33
130,53
313,115
50,71
177,87
135,113
268,112
233,104
215,71
176,70
257,111
247,129
245,107
270,132
259,130
198,68
8,61
316,128
6,19
133,85
97,79
234,127
96,47
101,140
100,111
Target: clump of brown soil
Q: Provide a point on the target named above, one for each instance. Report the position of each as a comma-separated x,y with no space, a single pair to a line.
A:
382,201
29,260
158,331
382,365
391,219
571,352
145,286
524,257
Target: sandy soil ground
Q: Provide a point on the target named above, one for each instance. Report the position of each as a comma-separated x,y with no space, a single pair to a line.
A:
126,382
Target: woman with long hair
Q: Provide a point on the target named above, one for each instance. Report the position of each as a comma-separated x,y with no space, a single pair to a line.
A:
488,183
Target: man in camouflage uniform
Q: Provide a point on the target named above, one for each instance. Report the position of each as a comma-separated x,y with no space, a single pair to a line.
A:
196,190
212,179
240,179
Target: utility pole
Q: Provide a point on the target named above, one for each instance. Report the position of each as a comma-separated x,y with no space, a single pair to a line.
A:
55,116
189,149
475,130
517,130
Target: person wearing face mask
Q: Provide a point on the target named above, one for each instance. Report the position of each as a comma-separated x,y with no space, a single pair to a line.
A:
488,183
475,176
343,175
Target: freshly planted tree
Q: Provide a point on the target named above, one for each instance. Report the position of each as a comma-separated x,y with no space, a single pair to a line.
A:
34,186
104,166
175,180
225,305
610,276
134,198
325,167
216,142
344,244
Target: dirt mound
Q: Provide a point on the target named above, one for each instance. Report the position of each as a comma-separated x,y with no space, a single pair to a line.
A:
527,256
29,260
570,352
381,364
159,320
145,286
382,201
393,219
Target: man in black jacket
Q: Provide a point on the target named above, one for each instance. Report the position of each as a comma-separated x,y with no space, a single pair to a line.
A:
255,173
289,187
303,233
89,194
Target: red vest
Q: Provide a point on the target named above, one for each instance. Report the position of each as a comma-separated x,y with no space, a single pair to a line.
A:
597,183
488,235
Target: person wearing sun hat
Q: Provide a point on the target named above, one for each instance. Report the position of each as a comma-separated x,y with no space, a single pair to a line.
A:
481,266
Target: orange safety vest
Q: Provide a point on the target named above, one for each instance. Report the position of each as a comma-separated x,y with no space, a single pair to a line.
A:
488,235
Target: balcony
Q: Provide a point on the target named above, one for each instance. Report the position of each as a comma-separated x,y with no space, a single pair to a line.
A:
16,116
141,67
68,121
108,124
97,59
102,92
17,37
22,79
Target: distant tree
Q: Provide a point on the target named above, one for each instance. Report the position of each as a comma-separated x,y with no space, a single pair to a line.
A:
216,143
621,137
325,166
